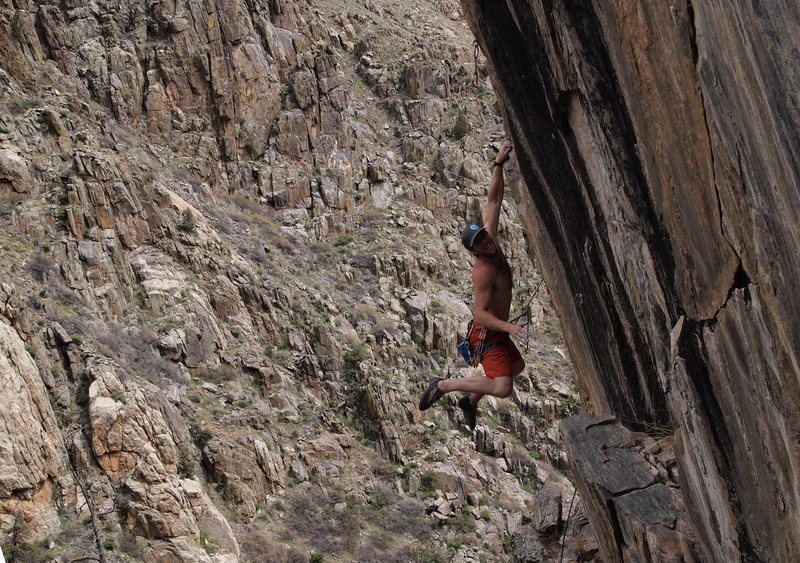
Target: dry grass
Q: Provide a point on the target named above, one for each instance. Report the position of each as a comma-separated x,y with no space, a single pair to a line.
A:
135,349
256,545
313,516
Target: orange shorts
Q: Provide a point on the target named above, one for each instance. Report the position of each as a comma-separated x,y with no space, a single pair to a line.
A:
499,361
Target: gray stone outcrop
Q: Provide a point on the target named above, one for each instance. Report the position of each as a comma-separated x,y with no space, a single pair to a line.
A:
133,444
32,463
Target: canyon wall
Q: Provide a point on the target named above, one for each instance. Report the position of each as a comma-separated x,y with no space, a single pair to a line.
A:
658,143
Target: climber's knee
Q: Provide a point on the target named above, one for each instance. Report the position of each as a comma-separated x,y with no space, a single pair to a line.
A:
503,387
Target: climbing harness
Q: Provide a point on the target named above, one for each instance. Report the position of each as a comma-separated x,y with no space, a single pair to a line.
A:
473,355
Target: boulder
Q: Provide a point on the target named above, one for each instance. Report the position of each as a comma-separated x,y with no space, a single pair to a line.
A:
292,136
14,174
133,444
419,149
546,510
418,79
209,519
473,171
526,546
304,88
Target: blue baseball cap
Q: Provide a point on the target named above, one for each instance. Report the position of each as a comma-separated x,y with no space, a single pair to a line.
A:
469,234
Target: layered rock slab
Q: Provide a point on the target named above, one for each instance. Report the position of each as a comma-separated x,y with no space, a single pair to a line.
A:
635,517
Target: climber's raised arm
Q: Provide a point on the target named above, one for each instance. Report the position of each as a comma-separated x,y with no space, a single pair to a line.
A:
494,200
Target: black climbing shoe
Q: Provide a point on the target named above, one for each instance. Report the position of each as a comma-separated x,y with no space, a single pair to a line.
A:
470,411
431,394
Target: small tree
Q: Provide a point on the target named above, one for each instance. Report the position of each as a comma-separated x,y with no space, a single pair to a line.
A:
460,127
188,223
185,465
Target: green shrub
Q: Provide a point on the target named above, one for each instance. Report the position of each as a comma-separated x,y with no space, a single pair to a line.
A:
353,357
427,554
185,464
311,515
364,312
219,373
187,223
460,127
454,543
343,240
202,436
552,328
40,265
16,25
429,482
135,349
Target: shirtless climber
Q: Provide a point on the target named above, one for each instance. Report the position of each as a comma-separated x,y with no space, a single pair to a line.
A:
491,291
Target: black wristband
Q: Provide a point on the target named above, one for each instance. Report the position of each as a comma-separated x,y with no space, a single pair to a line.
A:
497,164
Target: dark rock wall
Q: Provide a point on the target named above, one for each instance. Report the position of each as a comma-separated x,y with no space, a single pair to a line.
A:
658,143
229,259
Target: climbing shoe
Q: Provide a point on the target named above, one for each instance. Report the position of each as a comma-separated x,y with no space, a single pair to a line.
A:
470,411
431,394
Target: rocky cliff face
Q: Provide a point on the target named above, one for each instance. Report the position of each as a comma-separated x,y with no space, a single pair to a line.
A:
658,144
229,265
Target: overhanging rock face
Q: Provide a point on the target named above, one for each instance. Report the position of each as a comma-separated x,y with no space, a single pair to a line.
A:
658,143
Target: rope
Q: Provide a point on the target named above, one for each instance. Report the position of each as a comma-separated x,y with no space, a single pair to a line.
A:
564,535
475,56
526,309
